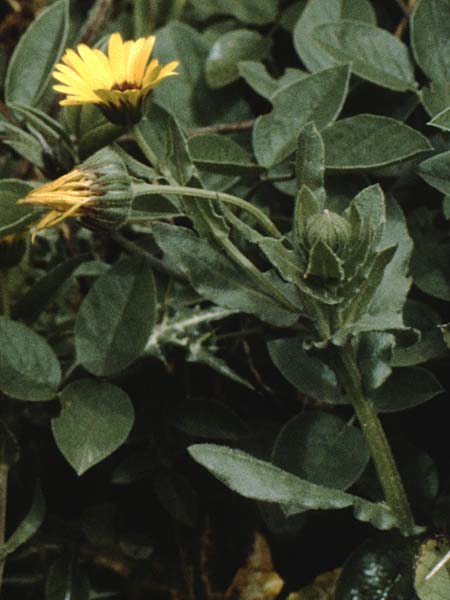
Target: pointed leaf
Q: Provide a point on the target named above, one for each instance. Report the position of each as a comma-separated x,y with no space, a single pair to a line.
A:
430,35
95,420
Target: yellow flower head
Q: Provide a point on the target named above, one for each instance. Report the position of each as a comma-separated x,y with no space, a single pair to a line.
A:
117,82
99,182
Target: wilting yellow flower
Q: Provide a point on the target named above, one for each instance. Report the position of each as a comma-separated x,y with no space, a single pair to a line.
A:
117,81
98,183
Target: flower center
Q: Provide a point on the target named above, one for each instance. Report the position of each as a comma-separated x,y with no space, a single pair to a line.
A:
124,86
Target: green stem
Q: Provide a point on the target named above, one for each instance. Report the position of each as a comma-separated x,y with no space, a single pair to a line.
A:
3,499
4,292
388,474
200,194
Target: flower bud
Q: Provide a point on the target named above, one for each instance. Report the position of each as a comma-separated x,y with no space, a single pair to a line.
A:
330,228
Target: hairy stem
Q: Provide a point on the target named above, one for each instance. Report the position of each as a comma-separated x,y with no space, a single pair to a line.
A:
380,450
201,194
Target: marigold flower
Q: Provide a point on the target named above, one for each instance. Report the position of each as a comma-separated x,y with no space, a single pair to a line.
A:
98,183
117,82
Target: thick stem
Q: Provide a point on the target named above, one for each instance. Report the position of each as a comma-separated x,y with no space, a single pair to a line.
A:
380,450
201,194
3,498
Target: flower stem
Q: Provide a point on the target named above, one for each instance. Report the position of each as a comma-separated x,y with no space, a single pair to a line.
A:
201,194
3,498
4,293
380,450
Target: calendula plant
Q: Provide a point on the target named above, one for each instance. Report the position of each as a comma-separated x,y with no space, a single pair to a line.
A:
224,245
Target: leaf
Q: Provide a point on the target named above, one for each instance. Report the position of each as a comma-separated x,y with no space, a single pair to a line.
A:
95,420
218,154
45,290
39,48
436,171
370,141
259,480
328,451
253,12
436,587
441,120
256,76
435,97
430,35
374,53
228,50
318,12
116,318
215,277
65,581
14,218
23,143
406,387
28,527
209,419
163,143
306,372
317,98
188,96
381,568
177,497
29,369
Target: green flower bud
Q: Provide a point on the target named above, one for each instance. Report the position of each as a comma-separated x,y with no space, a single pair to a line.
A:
330,228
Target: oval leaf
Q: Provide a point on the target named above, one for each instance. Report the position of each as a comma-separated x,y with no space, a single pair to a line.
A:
29,369
95,420
317,98
30,67
374,53
328,451
406,387
116,318
430,38
14,218
370,141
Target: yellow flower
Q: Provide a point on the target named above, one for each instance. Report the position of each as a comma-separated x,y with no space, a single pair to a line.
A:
117,82
98,183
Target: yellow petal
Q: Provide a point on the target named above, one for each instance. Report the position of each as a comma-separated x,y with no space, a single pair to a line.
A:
95,66
142,59
116,58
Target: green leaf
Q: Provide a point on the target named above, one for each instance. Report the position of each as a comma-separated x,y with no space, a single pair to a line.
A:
381,568
310,161
253,12
96,419
39,48
28,527
216,278
318,12
307,373
163,143
436,171
441,120
188,96
324,263
374,53
256,76
435,97
209,419
328,451
177,496
430,38
29,369
370,141
259,480
22,142
436,587
228,50
116,318
65,581
406,387
219,154
45,290
317,98
14,218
